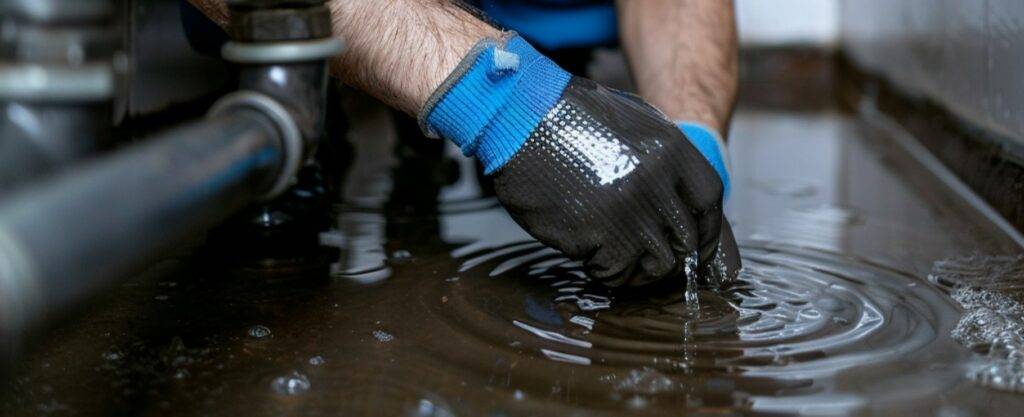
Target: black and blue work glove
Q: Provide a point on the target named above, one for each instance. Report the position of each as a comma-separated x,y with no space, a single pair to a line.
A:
596,173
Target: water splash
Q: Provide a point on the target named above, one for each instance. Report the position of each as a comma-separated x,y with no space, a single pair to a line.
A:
692,292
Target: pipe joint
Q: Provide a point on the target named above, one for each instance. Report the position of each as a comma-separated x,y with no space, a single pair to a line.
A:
288,132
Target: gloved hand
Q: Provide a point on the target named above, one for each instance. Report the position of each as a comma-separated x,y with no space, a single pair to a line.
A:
711,145
596,173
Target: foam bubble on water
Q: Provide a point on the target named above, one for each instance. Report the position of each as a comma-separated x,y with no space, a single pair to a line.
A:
317,360
259,331
112,354
383,336
989,288
980,326
431,408
292,384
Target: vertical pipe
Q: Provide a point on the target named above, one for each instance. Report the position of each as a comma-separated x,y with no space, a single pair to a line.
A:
56,84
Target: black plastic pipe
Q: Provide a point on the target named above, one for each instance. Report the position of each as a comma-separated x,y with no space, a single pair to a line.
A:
71,235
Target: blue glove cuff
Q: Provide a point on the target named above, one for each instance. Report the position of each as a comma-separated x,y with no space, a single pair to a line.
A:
711,145
494,99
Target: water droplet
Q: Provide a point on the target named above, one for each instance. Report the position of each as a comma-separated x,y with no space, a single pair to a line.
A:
518,395
316,360
112,355
400,256
292,384
260,331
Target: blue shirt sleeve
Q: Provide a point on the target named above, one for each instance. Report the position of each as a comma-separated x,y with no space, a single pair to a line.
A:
557,24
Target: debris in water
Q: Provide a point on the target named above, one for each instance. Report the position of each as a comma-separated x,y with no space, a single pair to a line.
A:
292,384
316,360
260,331
383,336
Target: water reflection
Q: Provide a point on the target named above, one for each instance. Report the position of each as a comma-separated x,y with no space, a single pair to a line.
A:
438,304
794,319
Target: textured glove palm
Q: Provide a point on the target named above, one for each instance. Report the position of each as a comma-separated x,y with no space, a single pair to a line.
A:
597,173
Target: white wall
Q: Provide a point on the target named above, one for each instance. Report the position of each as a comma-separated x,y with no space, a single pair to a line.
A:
966,55
788,22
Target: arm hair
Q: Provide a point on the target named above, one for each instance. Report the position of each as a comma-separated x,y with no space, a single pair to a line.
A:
398,51
683,56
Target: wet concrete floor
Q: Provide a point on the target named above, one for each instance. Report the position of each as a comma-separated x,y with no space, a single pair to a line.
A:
434,303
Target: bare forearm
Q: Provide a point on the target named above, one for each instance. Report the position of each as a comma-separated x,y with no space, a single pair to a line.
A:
399,51
683,55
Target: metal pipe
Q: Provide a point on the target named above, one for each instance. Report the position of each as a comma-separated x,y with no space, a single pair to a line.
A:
73,234
56,85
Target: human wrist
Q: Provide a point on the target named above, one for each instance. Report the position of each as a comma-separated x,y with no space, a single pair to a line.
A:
425,41
494,98
710,144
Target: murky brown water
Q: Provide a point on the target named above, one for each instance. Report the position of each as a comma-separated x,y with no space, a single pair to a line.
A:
455,311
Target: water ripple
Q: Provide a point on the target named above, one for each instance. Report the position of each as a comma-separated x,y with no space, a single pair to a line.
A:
794,322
